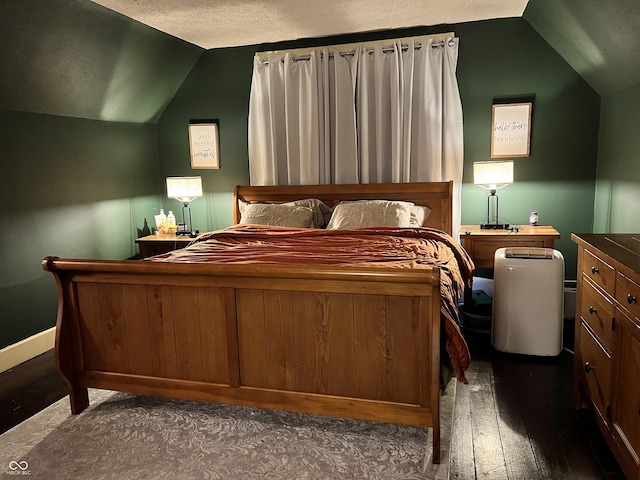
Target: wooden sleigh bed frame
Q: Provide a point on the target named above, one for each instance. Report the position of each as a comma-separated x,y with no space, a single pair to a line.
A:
360,343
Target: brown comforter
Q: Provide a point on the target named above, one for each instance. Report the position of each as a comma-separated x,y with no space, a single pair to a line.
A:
383,246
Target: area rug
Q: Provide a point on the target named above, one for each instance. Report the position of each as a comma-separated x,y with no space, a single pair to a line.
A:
124,436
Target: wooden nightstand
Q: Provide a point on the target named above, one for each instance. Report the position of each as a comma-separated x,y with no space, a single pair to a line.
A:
482,244
157,244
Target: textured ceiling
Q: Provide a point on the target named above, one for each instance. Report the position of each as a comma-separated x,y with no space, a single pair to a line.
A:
227,23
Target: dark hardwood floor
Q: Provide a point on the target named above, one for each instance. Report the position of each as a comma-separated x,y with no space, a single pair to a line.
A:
28,388
513,421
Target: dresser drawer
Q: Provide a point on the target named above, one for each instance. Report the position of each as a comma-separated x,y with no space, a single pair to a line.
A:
595,372
598,272
597,311
628,294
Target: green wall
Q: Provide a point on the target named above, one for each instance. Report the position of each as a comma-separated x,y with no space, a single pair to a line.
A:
618,178
75,188
557,180
498,59
217,88
80,90
598,38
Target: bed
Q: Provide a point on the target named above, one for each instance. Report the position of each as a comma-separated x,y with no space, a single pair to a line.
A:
357,340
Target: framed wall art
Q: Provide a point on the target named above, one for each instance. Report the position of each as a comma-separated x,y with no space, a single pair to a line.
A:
204,143
511,130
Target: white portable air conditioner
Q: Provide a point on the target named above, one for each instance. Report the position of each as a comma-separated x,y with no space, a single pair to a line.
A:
528,301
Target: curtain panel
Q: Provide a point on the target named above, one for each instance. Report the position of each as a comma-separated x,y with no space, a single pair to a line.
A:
383,112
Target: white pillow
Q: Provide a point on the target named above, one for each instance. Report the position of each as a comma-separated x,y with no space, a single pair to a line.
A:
276,215
370,213
419,214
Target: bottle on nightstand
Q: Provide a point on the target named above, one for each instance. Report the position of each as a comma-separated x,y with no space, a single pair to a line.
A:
163,221
171,223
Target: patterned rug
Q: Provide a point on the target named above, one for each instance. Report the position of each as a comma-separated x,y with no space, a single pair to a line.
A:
124,436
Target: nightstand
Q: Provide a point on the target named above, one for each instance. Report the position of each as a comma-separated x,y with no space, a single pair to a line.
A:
157,244
481,245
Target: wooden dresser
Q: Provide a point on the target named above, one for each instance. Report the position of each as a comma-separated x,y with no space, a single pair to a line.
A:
607,344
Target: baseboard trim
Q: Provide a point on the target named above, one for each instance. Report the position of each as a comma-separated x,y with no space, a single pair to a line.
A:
27,349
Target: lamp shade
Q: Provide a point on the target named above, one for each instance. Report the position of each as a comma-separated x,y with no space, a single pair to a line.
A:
184,189
493,175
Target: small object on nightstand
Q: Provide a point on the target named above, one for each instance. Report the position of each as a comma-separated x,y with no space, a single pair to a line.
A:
171,222
162,221
533,219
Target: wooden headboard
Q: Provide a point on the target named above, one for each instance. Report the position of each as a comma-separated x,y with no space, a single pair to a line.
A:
435,195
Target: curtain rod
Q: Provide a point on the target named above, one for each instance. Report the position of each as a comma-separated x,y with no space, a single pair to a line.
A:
404,47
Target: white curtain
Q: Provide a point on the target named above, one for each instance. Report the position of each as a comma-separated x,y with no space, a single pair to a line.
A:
390,112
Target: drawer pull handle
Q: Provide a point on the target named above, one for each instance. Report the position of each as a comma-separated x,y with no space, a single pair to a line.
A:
594,270
631,299
588,367
592,310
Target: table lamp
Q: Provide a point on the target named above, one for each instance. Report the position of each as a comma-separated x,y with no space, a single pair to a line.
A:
185,189
493,176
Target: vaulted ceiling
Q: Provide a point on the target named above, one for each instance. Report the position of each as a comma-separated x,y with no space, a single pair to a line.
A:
598,39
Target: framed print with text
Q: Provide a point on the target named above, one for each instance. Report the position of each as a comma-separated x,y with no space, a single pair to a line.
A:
204,144
511,130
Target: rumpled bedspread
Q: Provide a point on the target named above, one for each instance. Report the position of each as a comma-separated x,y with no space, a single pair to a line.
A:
387,247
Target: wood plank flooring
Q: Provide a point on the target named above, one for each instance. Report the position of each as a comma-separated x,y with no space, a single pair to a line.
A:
513,421
28,388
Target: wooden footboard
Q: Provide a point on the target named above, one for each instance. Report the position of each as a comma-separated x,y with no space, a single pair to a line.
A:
350,342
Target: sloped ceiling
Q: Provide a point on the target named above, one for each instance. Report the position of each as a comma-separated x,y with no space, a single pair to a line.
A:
77,59
227,23
600,40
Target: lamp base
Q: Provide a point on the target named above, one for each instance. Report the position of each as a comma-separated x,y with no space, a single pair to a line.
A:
494,226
